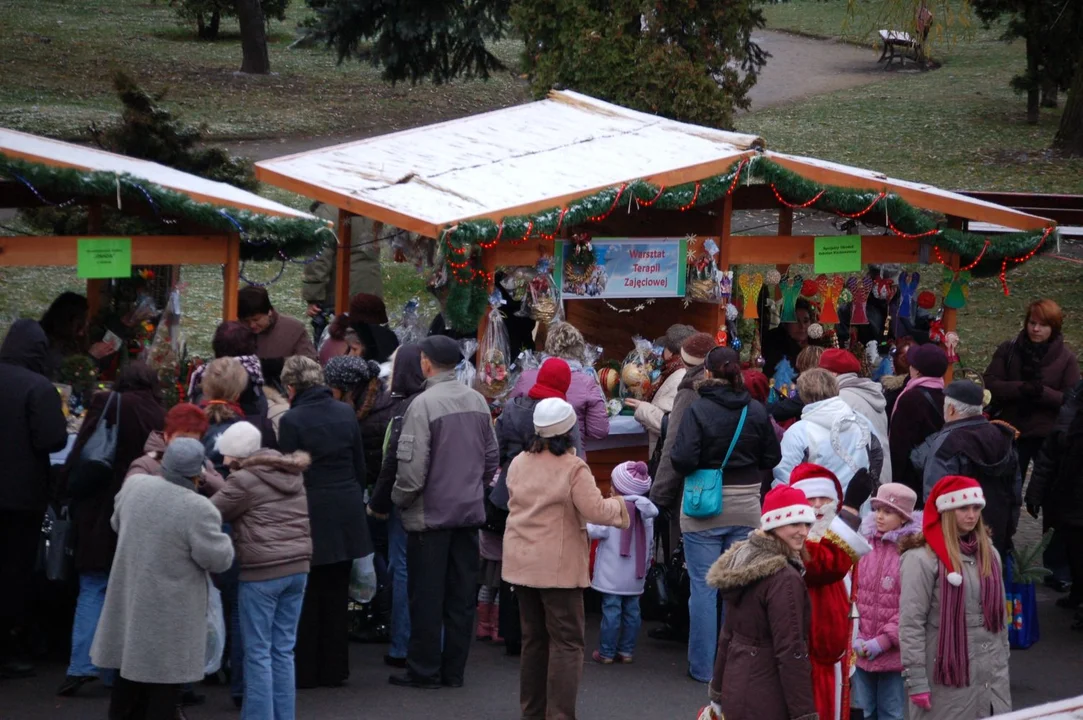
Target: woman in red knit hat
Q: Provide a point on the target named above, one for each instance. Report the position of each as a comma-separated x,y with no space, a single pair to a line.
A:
955,668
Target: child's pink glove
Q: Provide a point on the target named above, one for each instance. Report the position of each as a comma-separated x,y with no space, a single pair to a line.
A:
872,649
923,701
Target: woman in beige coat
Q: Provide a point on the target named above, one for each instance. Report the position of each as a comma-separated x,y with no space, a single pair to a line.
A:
651,413
551,497
953,630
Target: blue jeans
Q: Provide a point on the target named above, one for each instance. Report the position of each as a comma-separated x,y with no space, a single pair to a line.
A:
396,566
705,613
880,695
88,609
270,613
229,582
620,625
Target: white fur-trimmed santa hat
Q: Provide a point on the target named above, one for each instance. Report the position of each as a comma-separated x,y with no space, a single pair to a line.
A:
785,506
950,493
816,481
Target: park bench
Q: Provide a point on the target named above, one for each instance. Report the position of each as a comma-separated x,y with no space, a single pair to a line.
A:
900,44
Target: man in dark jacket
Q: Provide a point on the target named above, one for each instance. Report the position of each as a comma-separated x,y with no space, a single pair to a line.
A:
32,425
918,412
970,445
447,453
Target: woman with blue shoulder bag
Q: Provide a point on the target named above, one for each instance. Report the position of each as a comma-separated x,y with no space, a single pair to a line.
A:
724,444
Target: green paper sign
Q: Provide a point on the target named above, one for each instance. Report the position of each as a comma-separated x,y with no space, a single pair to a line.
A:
839,254
103,258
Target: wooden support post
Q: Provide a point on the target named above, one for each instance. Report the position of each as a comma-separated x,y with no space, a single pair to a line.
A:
785,221
342,262
951,315
231,277
94,286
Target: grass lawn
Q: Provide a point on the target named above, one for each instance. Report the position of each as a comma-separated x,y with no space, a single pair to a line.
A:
957,127
56,62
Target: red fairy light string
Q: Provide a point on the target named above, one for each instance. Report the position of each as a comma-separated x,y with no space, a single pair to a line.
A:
873,204
796,206
648,203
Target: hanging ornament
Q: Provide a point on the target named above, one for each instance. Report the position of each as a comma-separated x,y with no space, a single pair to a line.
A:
936,332
791,289
908,287
736,344
732,313
884,289
725,285
860,288
810,289
772,278
815,331
721,336
926,300
951,346
750,286
830,287
956,288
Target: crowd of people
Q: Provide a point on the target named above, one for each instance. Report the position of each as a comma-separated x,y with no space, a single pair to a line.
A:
899,498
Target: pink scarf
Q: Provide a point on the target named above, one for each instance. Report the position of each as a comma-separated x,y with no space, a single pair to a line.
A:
953,662
933,383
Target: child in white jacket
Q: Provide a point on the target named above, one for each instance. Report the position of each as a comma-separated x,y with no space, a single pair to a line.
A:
620,565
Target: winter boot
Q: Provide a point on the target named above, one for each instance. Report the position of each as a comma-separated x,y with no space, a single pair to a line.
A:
485,622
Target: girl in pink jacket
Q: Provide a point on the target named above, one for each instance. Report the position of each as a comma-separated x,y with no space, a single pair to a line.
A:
878,687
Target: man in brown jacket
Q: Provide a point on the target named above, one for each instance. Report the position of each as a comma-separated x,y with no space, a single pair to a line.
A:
277,335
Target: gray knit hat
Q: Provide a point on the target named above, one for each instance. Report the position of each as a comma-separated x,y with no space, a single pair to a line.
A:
675,337
183,460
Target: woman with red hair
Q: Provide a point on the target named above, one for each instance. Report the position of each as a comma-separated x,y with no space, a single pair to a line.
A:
1028,378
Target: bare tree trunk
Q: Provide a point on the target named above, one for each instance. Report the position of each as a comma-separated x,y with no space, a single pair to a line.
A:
1069,139
209,31
253,37
1049,93
1032,18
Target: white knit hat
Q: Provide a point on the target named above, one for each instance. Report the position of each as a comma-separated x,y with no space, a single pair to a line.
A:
239,440
553,417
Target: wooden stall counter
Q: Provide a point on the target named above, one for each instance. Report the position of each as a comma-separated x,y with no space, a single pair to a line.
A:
627,440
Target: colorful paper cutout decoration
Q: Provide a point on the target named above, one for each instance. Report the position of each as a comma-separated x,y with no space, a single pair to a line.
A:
951,346
884,289
750,286
860,288
725,285
790,287
956,288
830,287
908,288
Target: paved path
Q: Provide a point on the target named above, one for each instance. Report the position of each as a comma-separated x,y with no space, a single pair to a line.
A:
798,67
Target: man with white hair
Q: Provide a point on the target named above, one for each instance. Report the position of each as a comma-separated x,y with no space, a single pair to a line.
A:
972,446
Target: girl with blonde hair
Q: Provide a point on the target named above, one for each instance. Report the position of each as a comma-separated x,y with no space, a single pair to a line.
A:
955,668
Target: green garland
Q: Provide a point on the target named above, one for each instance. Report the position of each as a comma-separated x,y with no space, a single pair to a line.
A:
983,255
266,237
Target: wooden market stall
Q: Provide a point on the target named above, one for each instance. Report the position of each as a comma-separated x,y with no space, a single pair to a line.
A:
502,189
198,221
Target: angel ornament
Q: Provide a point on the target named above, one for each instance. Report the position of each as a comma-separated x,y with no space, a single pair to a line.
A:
860,288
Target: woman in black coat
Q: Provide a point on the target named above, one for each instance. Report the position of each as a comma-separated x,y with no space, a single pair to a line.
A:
707,429
327,430
141,412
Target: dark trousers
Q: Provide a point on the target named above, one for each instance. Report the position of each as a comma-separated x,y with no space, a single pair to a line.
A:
510,628
143,701
322,654
1055,556
441,582
1072,535
552,662
20,535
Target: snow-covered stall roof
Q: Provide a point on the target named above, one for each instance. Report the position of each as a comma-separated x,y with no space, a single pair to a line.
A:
512,161
917,194
57,153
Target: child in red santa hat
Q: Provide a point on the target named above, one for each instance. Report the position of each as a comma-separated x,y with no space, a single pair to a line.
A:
952,573
831,555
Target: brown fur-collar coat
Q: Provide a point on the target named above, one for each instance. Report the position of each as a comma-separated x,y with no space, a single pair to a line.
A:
264,498
762,669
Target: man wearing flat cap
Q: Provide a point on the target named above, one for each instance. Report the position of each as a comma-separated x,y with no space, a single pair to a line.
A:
446,453
972,446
